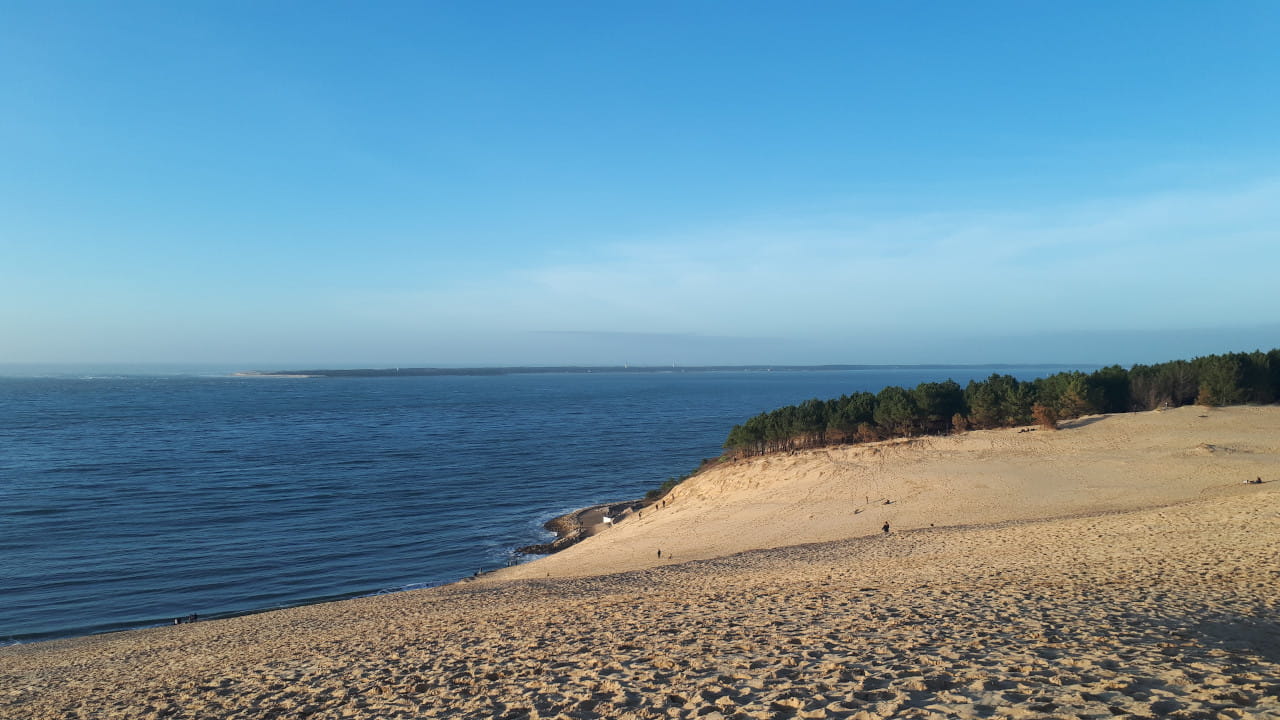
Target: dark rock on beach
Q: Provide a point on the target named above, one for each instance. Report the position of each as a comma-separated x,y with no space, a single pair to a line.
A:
578,525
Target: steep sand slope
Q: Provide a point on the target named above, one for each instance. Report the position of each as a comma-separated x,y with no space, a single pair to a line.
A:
1094,464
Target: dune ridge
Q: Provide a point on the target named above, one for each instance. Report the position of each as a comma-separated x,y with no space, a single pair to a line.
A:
1094,464
1113,569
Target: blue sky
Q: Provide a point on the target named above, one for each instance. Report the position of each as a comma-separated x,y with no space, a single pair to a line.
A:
482,183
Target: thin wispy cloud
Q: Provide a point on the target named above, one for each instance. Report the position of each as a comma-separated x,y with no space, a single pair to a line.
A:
1121,262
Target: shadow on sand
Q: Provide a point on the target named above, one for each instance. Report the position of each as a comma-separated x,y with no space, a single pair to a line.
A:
1080,422
1259,635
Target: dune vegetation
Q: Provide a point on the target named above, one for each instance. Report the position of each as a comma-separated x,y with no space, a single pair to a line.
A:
937,408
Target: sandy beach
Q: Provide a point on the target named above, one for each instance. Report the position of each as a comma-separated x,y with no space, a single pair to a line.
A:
1119,567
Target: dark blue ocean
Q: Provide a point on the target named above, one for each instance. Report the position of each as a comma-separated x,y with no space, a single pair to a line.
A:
126,501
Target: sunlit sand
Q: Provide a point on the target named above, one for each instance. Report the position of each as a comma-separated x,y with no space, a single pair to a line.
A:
1120,566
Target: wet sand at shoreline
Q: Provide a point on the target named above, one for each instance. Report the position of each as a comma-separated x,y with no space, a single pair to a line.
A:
1151,590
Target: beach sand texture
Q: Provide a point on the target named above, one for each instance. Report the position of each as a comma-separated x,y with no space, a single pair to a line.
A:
1117,568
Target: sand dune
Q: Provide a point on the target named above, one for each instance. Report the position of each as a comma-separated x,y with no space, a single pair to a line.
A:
1094,464
1117,569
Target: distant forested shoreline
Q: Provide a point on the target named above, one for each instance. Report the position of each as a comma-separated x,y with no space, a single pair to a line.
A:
570,369
936,408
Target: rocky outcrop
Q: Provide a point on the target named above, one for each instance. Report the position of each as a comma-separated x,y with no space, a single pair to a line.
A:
574,527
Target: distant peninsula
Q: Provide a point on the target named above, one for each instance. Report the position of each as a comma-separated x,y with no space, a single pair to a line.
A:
562,369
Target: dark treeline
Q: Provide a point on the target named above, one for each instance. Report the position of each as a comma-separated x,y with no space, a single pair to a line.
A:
1004,401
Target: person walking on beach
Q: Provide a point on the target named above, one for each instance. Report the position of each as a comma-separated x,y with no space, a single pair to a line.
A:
886,527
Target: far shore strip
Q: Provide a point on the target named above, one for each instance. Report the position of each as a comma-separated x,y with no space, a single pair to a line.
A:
1120,567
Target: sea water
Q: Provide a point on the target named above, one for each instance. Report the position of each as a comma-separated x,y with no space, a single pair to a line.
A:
127,501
